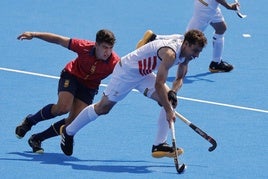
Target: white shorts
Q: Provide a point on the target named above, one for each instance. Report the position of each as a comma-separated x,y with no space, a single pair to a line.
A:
123,82
203,16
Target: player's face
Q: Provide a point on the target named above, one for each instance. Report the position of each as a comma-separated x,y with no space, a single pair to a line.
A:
103,50
192,51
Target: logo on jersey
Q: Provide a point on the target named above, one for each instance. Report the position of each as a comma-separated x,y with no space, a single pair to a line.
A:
146,66
66,83
92,69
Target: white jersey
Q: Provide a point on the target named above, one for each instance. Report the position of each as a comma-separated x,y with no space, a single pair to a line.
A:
136,69
145,60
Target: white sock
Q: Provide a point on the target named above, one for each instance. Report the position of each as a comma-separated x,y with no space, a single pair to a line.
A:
163,128
218,44
86,116
167,37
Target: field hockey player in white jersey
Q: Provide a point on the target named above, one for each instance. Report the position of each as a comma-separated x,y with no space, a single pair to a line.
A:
146,70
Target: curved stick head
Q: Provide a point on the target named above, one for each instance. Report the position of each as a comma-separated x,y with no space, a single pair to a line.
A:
181,168
241,15
214,144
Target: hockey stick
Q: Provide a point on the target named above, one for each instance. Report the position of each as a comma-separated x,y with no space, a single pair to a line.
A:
238,11
179,168
198,131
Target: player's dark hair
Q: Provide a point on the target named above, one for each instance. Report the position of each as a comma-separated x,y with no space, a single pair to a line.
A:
106,36
195,37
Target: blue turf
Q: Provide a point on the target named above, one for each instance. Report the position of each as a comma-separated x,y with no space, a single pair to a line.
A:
231,107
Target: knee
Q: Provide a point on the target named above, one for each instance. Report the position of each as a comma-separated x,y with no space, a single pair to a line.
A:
61,109
104,110
149,92
221,30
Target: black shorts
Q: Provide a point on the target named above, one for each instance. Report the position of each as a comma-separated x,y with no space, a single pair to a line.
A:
70,83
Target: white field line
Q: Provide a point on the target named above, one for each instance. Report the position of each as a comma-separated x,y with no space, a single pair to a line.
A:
29,73
180,97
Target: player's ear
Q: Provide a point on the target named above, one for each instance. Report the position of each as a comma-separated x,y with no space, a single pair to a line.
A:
187,43
97,44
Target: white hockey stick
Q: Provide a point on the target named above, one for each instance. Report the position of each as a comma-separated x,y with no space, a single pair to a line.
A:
238,11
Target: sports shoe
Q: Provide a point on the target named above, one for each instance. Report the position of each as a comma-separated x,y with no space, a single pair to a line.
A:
164,150
223,66
22,129
66,141
36,145
147,37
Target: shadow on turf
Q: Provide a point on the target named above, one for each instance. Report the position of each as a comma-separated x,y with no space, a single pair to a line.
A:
127,166
193,78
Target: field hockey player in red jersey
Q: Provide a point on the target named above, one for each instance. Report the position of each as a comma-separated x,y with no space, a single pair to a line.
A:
78,84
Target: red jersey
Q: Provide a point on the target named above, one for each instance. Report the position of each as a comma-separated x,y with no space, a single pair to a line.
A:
86,67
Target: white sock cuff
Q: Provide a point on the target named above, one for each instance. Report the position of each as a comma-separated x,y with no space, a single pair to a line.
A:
91,112
86,116
218,36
